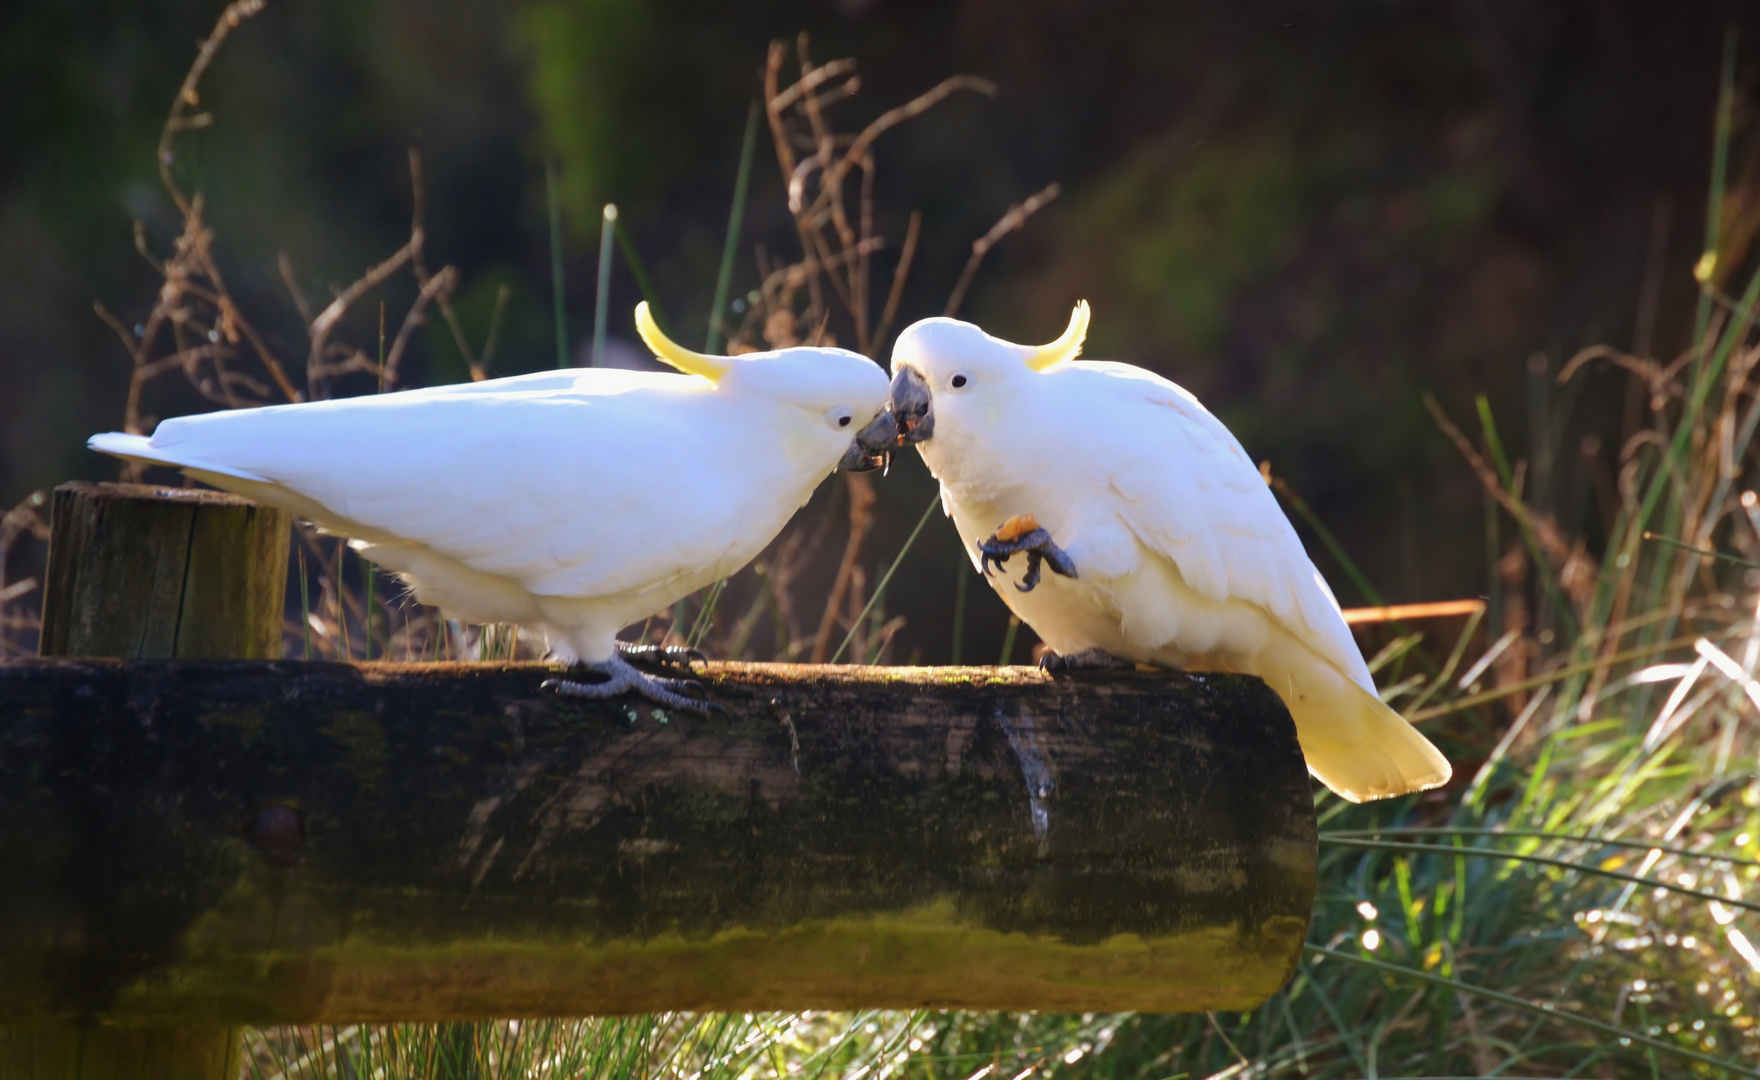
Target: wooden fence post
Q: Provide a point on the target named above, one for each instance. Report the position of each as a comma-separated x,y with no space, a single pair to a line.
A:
148,573
152,573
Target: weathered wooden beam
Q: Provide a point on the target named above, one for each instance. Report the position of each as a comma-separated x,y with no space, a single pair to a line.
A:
225,843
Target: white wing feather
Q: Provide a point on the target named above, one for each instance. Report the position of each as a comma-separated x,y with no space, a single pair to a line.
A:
1211,512
516,478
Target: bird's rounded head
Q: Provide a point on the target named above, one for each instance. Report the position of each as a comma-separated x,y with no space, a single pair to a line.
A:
827,395
945,360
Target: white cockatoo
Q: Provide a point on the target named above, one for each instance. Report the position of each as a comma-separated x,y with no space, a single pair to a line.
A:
576,501
1166,545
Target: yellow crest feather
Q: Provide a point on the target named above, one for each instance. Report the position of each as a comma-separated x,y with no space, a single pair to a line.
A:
1066,347
691,363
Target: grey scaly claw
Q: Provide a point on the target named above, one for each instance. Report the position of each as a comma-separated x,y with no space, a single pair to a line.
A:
621,678
1022,533
1086,660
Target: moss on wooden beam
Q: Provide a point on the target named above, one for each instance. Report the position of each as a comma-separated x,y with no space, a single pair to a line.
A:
256,842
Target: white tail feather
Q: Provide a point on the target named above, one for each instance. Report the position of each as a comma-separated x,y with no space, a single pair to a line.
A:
141,448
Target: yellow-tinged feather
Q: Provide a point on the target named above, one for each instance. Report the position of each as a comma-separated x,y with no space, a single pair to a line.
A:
691,363
1065,348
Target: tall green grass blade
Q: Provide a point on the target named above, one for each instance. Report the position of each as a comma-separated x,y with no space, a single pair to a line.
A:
1358,578
558,296
1346,1032
735,216
1539,834
367,609
1494,444
1726,93
602,289
1629,1036
1706,553
961,586
706,618
1008,636
1667,471
876,625
910,540
305,603
1560,604
1493,556
1335,840
1559,676
1454,660
341,607
633,260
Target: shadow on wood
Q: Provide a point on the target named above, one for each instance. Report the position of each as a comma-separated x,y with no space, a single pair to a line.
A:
246,842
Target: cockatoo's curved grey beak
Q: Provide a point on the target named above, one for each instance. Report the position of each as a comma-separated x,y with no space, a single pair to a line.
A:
908,419
872,447
911,408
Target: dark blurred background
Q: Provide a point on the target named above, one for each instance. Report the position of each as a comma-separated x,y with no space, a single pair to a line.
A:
1307,213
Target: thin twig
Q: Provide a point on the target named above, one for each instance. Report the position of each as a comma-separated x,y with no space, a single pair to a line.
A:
488,358
433,290
891,118
418,211
322,326
899,273
235,13
1016,216
300,303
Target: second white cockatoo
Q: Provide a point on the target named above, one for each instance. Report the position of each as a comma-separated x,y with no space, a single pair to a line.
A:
1166,545
575,501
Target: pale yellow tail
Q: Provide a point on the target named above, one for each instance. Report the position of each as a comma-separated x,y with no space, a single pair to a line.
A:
1362,749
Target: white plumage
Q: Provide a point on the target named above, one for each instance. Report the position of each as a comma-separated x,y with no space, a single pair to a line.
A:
1183,557
578,501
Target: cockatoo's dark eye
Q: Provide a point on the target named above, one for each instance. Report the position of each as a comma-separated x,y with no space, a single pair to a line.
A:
957,382
841,417
843,421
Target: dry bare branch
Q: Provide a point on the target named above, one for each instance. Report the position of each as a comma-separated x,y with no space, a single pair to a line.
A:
435,289
1016,216
322,326
899,273
187,97
781,101
300,304
442,297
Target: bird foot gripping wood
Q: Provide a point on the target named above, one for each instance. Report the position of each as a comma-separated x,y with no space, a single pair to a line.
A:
686,695
674,657
1086,660
1022,533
